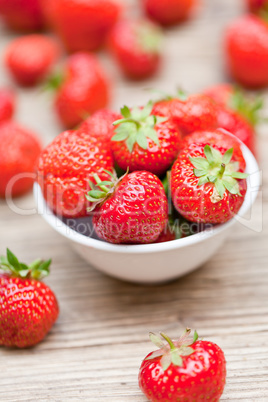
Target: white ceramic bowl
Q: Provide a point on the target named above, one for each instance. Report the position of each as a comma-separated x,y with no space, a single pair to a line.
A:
153,263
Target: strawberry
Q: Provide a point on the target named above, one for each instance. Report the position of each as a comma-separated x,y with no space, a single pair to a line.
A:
144,141
7,104
197,112
100,124
81,90
65,168
30,58
257,6
168,13
82,25
19,152
237,113
207,184
136,46
22,15
28,307
218,137
183,370
131,210
246,51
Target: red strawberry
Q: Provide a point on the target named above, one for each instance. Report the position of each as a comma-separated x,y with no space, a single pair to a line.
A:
28,307
246,50
144,141
19,152
220,93
218,137
206,186
133,210
83,89
197,112
136,46
168,13
7,104
22,15
183,370
82,25
100,124
257,6
65,168
30,58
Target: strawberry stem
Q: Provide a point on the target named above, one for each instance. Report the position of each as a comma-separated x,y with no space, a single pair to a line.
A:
169,341
222,170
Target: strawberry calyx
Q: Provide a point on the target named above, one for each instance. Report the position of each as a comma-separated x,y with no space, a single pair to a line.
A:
54,81
102,190
172,351
38,269
218,169
137,125
149,37
246,106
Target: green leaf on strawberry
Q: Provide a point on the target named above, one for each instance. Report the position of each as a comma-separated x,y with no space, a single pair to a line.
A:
218,169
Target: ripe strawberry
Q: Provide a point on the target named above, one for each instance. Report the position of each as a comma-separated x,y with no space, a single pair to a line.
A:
257,6
197,112
218,137
22,15
220,93
28,308
168,13
206,185
19,152
246,51
183,370
144,141
136,46
82,25
82,90
100,124
133,210
65,168
30,58
7,104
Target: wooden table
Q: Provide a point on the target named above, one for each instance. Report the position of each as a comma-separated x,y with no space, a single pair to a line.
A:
94,351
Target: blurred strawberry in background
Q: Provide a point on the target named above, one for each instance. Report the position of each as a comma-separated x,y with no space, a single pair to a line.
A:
19,152
82,24
81,89
246,51
136,46
30,58
168,12
22,15
7,103
256,6
100,124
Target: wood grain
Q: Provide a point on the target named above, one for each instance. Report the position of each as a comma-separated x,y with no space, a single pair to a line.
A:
94,351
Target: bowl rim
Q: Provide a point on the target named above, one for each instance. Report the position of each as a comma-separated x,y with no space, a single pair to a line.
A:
72,235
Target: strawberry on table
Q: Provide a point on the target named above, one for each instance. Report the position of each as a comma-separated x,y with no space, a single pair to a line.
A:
196,112
144,141
186,369
19,153
7,104
136,46
246,51
30,58
169,12
82,25
131,210
207,184
28,307
22,15
65,168
81,89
